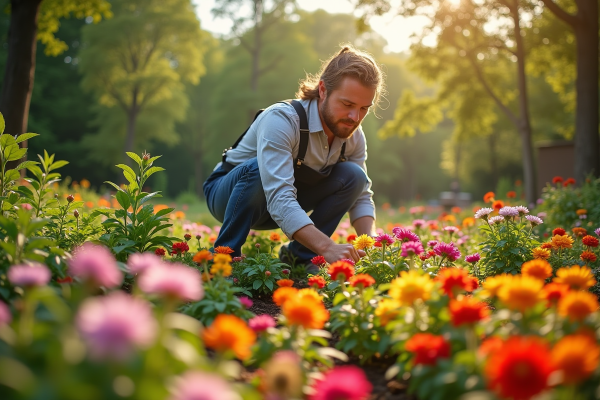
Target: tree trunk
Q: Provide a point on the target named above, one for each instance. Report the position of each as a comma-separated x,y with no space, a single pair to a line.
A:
587,141
20,66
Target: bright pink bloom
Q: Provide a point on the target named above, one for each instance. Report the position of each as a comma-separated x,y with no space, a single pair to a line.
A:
246,302
198,385
26,206
29,275
447,250
139,262
451,229
410,249
95,264
432,243
417,223
473,258
405,235
346,382
5,314
172,280
115,324
384,238
261,323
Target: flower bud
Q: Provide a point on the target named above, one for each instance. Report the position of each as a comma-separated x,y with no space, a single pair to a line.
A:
187,237
237,259
76,214
198,237
268,273
235,280
70,198
146,156
257,245
285,271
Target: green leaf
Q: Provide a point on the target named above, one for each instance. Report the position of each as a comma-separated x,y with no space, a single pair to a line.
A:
220,307
2,124
123,200
57,165
25,164
114,185
152,171
256,284
6,140
148,197
25,136
17,155
269,284
135,158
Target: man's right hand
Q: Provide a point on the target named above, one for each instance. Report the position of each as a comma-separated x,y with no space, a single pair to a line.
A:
321,244
337,252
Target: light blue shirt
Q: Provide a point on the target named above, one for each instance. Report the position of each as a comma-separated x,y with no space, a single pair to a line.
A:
274,139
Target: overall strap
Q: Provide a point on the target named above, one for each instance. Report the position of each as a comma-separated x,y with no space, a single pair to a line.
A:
342,156
303,132
239,139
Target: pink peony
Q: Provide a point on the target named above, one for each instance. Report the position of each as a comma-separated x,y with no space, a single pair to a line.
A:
113,325
346,382
261,323
410,249
198,385
447,250
246,302
95,264
405,235
172,280
29,275
5,314
139,262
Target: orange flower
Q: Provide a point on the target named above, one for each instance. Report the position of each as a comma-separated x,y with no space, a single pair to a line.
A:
520,369
577,305
274,237
160,207
467,222
202,255
577,356
521,293
410,287
283,294
581,211
103,202
305,311
317,281
580,232
85,183
453,280
89,204
212,238
511,195
362,280
467,311
562,241
588,256
488,197
179,215
489,346
497,205
351,238
493,284
341,270
229,333
553,292
541,253
223,250
558,231
427,348
309,292
285,283
547,246
590,241
456,210
578,278
539,269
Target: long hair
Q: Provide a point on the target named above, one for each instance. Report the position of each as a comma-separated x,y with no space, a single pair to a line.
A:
347,62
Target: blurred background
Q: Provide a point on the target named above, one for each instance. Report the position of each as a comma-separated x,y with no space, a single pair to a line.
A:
474,89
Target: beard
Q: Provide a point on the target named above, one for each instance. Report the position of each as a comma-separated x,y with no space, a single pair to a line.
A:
339,127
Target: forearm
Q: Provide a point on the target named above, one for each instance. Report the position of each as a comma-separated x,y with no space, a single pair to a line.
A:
364,226
313,239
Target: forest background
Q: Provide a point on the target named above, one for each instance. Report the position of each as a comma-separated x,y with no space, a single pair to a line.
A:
418,144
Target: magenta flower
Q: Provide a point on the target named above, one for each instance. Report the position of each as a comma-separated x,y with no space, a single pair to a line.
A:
246,302
410,249
447,250
346,382
405,235
5,314
384,238
175,281
417,223
348,261
597,231
115,324
139,262
198,385
473,258
432,243
261,323
483,213
29,275
97,265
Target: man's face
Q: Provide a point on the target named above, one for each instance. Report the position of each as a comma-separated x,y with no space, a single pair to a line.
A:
344,108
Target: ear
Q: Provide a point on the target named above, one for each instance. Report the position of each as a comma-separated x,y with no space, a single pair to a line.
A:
322,90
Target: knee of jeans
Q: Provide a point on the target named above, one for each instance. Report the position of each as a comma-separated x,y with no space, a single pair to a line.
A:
353,176
254,188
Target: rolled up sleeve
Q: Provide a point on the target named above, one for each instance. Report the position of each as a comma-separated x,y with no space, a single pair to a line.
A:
364,205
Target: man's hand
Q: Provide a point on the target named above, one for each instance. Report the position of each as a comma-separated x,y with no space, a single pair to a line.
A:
340,251
321,244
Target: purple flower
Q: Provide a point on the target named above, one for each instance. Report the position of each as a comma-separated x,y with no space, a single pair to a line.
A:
542,215
410,249
508,212
261,323
522,210
597,232
417,223
405,235
5,314
384,238
246,302
483,213
115,324
534,220
447,250
473,258
95,264
139,262
432,243
175,281
451,229
540,201
496,220
198,385
29,275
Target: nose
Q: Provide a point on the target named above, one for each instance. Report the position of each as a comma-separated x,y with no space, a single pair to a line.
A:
354,115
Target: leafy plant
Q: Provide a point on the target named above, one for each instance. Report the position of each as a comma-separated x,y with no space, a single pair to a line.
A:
258,275
41,197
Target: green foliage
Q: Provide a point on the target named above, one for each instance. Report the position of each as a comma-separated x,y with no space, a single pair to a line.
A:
258,275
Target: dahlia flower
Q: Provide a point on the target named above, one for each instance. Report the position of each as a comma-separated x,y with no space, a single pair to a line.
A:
473,258
410,249
384,238
261,323
447,250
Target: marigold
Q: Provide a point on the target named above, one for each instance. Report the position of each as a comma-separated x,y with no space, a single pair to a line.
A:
581,211
578,278
316,281
229,333
590,241
493,284
537,268
554,292
221,268
581,232
521,293
520,369
305,311
274,237
309,292
540,253
223,250
467,310
202,255
588,256
285,283
497,205
558,231
488,197
363,242
453,280
467,222
411,286
387,310
222,258
576,306
341,270
283,294
562,241
577,356
547,246
427,348
362,280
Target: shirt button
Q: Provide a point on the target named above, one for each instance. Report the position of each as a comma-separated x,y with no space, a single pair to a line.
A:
325,146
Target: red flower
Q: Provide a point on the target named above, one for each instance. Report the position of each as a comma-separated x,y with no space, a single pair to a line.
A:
489,346
511,195
187,237
569,181
318,260
467,311
364,280
590,241
557,179
554,291
489,197
559,231
520,369
316,281
427,348
223,250
473,283
547,246
351,238
341,267
497,205
454,280
66,279
160,252
588,256
180,248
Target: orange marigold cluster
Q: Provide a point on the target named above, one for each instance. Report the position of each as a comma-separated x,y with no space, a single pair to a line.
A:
223,250
305,310
562,241
580,232
576,306
577,356
285,283
590,241
537,268
588,256
541,253
577,277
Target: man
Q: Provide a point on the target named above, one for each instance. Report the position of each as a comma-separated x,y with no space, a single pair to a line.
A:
280,171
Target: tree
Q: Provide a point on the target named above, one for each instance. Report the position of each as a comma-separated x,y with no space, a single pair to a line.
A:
137,63
33,20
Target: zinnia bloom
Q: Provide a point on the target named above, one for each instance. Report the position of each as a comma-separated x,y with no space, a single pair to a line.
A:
341,270
180,248
316,281
305,311
497,205
202,256
405,235
318,260
115,324
229,333
173,281
386,310
537,268
275,237
410,249
559,232
483,213
590,241
581,211
362,280
576,306
473,258
384,238
562,241
195,385
346,382
581,232
245,301
557,179
285,282
411,286
577,356
489,346
95,264
281,295
29,275
511,194
578,278
160,252
540,253
139,262
363,242
553,292
521,369
467,311
427,348
588,256
223,250
453,280
488,197
569,181
447,250
521,293
261,323
468,222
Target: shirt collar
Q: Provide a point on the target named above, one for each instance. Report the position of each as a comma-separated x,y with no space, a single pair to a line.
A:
312,113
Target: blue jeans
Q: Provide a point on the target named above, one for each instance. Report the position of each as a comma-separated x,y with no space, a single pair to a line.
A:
237,199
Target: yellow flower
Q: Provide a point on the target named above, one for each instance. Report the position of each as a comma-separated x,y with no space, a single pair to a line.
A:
222,258
562,242
387,310
411,286
577,356
521,293
578,278
577,305
221,268
363,242
540,253
539,269
493,284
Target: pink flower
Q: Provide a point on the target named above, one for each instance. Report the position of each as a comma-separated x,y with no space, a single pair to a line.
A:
198,385
246,302
473,258
5,314
417,223
384,238
173,281
346,382
261,323
95,264
115,324
451,229
139,262
26,206
410,249
29,275
447,250
405,235
432,243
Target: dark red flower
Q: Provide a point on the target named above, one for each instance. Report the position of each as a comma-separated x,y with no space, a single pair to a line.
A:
427,348
180,248
160,252
318,260
568,182
590,241
187,237
559,231
351,238
66,279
